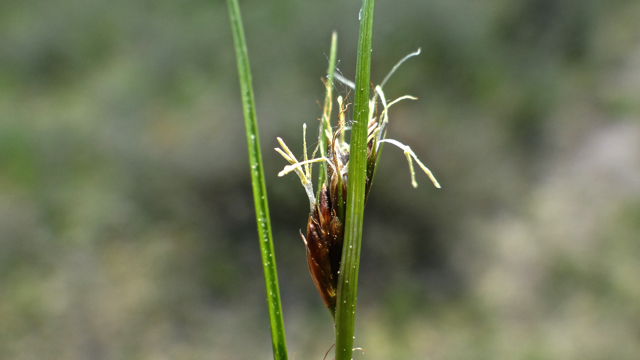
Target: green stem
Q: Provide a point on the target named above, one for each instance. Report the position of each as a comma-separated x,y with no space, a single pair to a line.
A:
326,114
259,189
348,280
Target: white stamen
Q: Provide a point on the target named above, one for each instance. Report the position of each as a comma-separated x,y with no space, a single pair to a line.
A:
307,167
305,178
296,167
409,154
417,52
344,81
385,113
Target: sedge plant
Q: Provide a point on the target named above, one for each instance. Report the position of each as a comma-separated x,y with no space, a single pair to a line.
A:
334,227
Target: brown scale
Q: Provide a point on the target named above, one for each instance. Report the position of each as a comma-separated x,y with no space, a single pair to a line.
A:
325,230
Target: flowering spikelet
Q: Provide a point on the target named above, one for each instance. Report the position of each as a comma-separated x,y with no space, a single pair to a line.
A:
325,227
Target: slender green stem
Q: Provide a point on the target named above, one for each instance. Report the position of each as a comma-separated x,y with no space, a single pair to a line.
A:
259,189
326,115
348,280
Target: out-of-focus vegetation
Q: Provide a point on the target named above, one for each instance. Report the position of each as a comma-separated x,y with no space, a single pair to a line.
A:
126,219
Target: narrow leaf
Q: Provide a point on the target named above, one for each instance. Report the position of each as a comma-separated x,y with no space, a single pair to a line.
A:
279,344
348,280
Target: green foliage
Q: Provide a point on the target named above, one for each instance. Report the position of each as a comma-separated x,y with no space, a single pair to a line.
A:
265,239
348,280
326,113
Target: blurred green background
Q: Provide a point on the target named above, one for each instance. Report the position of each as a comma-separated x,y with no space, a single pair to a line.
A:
126,218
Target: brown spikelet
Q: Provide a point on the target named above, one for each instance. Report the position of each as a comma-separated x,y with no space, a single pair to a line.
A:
324,247
325,225
325,229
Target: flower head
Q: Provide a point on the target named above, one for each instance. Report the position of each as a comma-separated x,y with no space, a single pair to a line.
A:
325,227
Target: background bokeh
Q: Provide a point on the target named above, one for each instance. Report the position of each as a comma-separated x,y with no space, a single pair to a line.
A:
126,221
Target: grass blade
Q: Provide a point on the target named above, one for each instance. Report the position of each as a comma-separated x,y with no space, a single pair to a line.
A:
348,281
326,115
278,340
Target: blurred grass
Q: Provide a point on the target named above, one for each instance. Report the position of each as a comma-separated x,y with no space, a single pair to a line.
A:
125,222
